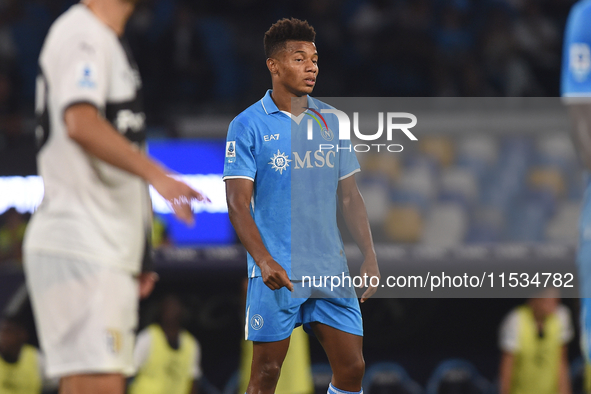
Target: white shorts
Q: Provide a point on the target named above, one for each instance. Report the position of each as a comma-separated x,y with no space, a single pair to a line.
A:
86,314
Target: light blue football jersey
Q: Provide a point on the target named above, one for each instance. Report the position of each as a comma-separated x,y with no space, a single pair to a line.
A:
576,57
294,203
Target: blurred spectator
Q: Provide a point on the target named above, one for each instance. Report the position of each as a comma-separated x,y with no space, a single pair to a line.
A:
21,365
160,236
533,340
12,233
499,49
28,28
538,39
167,357
454,42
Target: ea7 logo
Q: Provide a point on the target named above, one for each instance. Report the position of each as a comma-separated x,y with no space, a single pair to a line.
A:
271,137
345,125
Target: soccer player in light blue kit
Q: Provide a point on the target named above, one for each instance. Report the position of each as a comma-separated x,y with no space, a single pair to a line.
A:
282,193
576,93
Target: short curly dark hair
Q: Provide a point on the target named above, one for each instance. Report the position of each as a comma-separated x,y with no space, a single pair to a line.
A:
287,30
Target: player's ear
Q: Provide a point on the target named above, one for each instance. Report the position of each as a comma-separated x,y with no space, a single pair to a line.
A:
272,66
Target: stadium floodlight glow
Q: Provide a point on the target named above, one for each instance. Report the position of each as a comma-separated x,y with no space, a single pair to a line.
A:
22,193
25,194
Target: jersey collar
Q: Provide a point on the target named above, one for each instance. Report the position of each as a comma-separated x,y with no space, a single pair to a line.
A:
270,107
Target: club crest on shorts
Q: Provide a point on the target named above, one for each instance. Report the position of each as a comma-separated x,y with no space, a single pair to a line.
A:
256,322
279,162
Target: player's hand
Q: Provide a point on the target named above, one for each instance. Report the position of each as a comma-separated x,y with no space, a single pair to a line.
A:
370,268
147,281
274,276
179,195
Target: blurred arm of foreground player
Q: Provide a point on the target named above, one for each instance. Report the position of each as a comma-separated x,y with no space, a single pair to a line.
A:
580,115
97,137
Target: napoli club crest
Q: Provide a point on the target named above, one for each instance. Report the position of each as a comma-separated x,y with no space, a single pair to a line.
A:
256,322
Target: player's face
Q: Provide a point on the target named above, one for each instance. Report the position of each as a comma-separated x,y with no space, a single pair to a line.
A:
297,67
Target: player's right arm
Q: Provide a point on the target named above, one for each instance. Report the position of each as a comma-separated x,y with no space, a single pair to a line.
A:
76,66
238,196
98,137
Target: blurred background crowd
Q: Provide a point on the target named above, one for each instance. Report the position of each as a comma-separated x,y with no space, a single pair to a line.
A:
207,56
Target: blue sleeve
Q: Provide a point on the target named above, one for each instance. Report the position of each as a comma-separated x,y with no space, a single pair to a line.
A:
240,161
348,163
576,56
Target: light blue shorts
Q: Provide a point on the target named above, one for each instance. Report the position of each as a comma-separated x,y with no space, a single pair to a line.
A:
271,315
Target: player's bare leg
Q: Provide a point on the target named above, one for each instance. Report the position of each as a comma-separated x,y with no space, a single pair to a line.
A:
345,356
93,384
267,358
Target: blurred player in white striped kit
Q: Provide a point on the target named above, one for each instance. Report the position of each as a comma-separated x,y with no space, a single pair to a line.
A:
86,248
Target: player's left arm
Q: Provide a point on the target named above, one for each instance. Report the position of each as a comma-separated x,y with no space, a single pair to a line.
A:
355,214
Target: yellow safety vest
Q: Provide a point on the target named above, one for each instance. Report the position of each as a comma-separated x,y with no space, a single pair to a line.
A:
296,375
21,377
537,360
167,370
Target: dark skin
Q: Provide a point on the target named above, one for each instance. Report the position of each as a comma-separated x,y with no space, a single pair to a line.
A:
12,338
293,71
